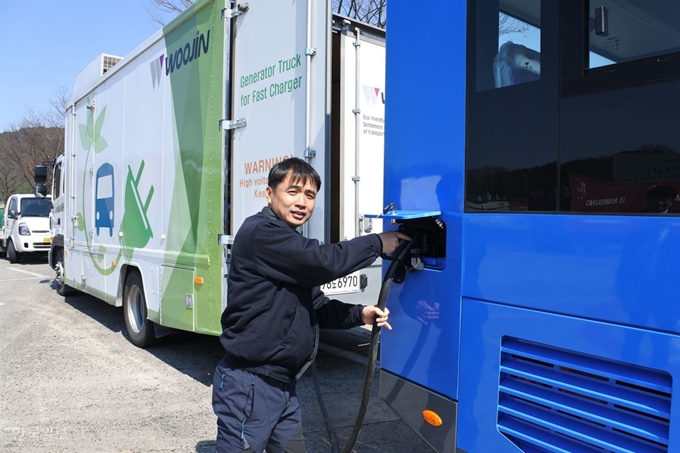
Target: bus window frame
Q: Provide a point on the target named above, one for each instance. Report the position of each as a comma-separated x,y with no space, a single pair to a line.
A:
578,78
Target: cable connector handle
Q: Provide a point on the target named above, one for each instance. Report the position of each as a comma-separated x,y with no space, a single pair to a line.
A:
390,207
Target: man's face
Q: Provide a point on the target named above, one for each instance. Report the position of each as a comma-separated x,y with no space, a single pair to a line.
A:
292,202
659,203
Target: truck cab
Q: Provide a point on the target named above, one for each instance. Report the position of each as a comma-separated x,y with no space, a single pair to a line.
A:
26,226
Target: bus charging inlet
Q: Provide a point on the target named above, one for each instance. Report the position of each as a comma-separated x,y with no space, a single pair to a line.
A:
426,234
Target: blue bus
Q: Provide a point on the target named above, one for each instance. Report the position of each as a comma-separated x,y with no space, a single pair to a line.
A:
535,145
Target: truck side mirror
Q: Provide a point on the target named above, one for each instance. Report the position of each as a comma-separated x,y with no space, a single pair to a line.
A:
40,191
40,174
12,214
40,177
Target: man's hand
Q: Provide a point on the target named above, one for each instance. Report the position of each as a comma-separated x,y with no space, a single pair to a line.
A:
426,313
390,240
374,315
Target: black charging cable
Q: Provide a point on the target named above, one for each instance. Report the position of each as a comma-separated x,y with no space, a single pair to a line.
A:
402,260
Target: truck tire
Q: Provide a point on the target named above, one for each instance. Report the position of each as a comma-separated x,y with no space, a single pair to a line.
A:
62,288
141,331
12,255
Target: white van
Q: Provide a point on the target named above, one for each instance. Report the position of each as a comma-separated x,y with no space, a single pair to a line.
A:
26,228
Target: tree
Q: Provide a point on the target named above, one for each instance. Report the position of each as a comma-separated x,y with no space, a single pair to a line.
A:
162,9
35,138
508,24
372,12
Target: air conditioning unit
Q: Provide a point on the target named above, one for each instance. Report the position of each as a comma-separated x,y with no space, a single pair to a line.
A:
97,68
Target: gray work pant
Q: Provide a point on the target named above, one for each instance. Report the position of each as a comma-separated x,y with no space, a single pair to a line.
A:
255,413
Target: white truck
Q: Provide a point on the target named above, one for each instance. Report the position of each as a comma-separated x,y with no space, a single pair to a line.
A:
26,228
168,150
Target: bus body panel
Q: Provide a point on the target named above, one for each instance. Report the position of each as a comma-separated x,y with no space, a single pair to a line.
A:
602,349
551,330
424,171
421,349
595,267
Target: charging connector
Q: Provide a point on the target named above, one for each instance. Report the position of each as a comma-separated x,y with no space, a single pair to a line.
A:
431,247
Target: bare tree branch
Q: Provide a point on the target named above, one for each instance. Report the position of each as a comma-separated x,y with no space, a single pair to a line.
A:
508,24
162,9
35,138
55,117
373,12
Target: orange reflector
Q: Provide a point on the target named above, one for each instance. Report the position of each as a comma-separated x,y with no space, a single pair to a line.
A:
113,263
432,418
198,280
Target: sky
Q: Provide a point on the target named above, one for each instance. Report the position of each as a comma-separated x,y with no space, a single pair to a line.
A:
45,43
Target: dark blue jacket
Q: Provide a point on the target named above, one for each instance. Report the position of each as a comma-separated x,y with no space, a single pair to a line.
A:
275,306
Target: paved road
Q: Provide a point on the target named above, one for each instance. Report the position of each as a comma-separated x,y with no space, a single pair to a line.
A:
71,382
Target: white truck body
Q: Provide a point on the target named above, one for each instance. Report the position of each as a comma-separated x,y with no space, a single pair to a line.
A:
168,152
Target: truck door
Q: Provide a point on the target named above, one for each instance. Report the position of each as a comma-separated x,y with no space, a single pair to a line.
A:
279,98
11,213
56,214
3,228
358,125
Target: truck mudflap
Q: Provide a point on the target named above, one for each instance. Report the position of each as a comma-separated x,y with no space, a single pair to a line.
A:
432,416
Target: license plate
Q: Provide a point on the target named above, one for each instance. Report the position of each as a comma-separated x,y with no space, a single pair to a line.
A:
343,285
47,239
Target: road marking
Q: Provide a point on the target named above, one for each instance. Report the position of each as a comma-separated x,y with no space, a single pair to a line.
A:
2,303
27,272
20,279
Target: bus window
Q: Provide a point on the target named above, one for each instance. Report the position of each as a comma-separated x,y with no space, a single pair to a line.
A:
622,31
513,56
619,151
512,139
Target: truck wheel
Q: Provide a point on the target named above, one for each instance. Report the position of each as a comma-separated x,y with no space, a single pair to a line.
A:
62,288
140,330
12,255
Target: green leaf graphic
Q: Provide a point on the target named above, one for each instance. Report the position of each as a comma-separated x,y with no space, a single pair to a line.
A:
100,144
90,121
99,123
101,253
85,137
80,222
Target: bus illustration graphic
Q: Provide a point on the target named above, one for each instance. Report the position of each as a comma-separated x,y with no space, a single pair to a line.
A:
104,199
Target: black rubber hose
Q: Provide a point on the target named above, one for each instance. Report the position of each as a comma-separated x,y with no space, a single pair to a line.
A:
398,262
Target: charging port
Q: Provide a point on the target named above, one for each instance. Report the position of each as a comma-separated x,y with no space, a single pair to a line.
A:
432,247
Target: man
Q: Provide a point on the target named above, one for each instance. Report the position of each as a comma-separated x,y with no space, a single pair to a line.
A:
271,323
660,199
